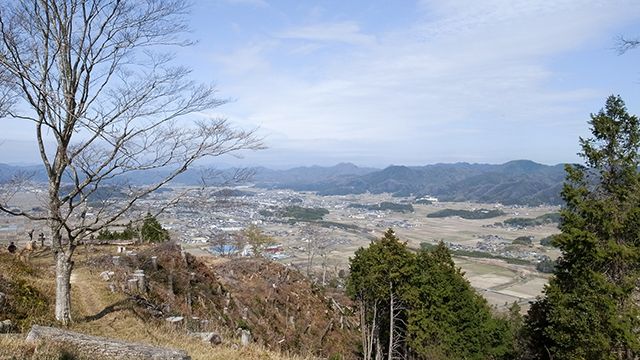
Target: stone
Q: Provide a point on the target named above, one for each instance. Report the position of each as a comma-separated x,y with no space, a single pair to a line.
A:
209,337
116,260
132,285
6,326
175,320
142,282
107,275
245,337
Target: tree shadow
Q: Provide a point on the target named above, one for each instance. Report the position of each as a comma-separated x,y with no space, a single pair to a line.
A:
121,305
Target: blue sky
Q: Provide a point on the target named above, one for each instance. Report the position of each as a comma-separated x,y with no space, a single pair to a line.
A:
412,82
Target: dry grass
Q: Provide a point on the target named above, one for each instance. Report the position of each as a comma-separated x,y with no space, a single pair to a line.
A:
90,296
15,347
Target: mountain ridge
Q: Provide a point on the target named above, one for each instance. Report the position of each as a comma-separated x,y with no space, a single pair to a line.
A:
517,182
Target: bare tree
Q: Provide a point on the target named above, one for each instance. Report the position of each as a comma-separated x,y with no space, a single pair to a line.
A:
625,44
256,238
95,79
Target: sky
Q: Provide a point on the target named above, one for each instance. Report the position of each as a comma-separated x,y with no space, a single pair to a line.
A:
408,82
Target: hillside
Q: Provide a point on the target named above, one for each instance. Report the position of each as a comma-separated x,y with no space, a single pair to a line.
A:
288,317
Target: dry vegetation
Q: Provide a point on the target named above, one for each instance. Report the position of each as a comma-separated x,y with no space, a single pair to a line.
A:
288,317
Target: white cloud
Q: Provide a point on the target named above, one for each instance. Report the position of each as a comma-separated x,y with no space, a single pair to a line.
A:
246,59
466,71
342,32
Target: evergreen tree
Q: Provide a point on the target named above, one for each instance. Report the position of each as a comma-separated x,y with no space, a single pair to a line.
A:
379,274
447,319
589,308
152,231
421,306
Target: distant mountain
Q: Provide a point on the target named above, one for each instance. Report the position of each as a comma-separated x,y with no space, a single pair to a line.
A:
33,172
308,177
515,182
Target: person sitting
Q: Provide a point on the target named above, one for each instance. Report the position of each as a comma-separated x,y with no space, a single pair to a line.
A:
12,247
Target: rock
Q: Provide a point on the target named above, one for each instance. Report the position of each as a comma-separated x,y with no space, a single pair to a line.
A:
106,275
209,337
175,320
132,285
141,280
6,326
3,297
103,347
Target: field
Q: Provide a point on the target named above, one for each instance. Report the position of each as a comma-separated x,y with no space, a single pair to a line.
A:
498,281
330,243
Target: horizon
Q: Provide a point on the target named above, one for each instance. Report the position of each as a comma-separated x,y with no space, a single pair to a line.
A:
293,166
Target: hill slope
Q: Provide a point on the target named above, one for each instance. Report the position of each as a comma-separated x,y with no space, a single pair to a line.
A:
284,312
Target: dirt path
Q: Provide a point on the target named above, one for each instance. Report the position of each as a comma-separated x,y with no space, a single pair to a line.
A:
90,293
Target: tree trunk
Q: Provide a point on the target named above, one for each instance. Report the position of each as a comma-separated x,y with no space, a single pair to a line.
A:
374,331
64,266
102,348
391,320
378,349
324,272
364,331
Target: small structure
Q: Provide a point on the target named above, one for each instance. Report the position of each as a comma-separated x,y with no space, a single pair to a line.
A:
245,337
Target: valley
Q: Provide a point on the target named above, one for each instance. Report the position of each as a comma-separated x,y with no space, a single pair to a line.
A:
317,234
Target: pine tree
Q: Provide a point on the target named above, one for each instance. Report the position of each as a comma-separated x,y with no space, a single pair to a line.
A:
152,231
447,319
589,309
379,274
421,306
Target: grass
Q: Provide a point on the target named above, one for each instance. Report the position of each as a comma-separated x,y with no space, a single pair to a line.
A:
90,296
15,347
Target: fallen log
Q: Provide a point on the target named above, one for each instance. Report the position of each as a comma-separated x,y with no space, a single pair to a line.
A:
103,347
